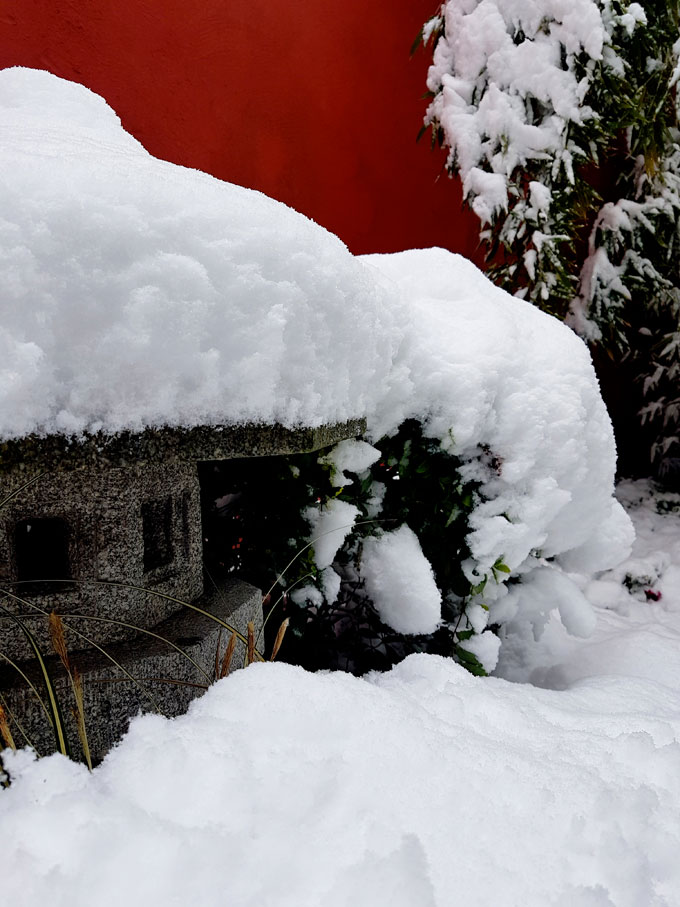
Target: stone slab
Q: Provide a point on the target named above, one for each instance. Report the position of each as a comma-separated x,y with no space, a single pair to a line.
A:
222,442
167,680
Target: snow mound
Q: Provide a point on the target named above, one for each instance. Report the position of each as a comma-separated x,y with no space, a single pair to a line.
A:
139,293
513,392
422,786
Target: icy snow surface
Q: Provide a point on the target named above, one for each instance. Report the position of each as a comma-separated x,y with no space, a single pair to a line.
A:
424,786
136,292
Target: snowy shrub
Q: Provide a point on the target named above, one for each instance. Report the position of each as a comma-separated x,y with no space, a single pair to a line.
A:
136,293
561,120
383,577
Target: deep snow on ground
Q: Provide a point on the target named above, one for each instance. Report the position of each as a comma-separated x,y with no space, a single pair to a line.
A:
424,786
637,606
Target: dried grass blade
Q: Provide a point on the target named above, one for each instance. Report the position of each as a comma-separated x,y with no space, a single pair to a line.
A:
5,732
58,639
13,718
251,643
55,710
279,638
267,599
79,715
179,601
228,655
216,673
17,491
138,629
29,683
92,643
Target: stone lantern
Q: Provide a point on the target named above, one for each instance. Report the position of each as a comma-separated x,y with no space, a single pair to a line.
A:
106,531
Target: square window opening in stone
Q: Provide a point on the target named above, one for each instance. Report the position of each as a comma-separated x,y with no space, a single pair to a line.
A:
157,533
42,556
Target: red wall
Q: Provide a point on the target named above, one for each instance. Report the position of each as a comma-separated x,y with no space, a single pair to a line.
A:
314,102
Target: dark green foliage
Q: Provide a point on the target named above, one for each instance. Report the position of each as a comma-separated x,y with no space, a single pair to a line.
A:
257,527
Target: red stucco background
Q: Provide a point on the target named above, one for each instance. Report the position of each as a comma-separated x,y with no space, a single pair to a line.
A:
314,102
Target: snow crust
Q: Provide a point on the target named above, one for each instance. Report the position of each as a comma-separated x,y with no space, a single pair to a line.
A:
137,293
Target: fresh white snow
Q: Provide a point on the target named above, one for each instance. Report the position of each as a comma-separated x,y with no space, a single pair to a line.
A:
137,293
492,132
399,581
355,456
509,389
330,527
637,606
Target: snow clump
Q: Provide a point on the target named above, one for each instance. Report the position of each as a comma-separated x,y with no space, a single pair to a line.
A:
355,456
400,582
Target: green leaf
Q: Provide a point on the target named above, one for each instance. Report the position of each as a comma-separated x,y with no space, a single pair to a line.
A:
416,43
452,516
480,587
470,662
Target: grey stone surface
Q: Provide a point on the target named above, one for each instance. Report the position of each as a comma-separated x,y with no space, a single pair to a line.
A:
167,680
107,515
222,442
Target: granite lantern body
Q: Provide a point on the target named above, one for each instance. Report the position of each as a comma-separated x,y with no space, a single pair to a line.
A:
71,532
106,532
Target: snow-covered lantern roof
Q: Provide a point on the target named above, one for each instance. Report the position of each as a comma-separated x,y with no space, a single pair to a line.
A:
139,294
151,317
